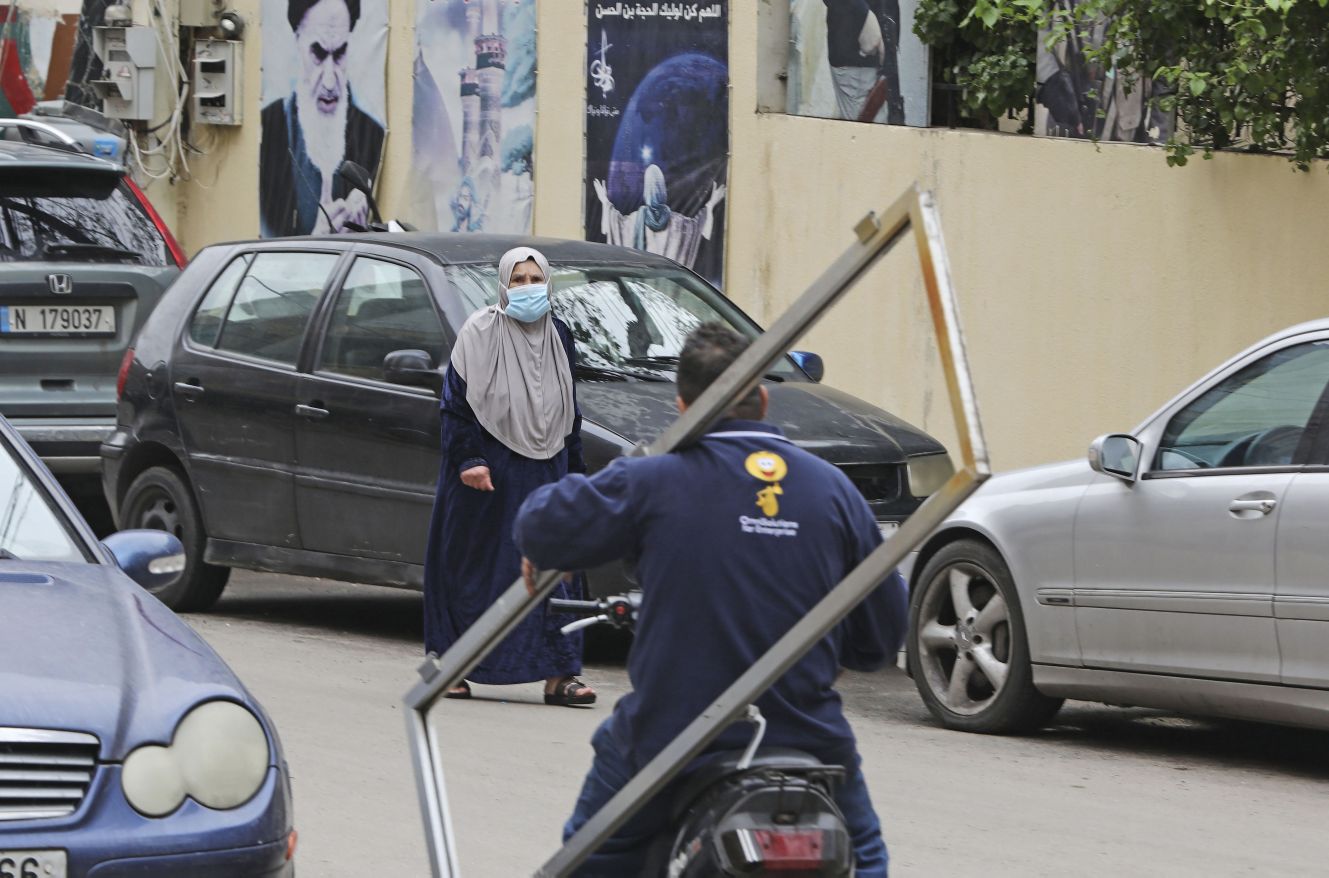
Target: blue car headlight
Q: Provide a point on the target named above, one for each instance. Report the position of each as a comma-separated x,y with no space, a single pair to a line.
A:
218,757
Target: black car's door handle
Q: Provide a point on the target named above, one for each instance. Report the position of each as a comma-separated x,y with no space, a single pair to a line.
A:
189,389
311,412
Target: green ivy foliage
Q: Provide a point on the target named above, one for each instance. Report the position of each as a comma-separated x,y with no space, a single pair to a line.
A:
1242,74
986,60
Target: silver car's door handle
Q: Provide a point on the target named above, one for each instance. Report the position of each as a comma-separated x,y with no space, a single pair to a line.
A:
1264,507
309,411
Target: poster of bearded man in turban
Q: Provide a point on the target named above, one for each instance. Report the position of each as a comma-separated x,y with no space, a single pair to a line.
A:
324,94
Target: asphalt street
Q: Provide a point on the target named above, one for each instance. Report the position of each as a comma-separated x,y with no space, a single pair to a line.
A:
1104,791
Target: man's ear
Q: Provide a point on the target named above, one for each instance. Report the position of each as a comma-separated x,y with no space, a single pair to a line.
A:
682,406
765,401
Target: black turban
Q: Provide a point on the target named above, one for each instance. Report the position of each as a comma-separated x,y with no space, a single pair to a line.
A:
296,9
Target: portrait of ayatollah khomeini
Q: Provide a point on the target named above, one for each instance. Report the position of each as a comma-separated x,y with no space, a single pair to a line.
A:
308,133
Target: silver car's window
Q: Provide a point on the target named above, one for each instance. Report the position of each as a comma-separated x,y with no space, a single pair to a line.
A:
622,318
205,328
1256,417
272,305
90,229
382,307
31,527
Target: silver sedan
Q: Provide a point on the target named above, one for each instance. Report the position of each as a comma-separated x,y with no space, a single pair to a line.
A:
1184,566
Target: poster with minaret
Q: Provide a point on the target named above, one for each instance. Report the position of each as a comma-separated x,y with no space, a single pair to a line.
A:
473,116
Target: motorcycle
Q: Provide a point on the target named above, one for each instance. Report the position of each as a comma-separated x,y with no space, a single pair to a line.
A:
754,812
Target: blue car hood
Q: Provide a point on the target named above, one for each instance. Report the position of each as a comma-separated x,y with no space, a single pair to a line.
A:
84,649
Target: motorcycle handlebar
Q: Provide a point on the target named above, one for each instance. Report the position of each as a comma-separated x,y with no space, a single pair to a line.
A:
618,611
568,606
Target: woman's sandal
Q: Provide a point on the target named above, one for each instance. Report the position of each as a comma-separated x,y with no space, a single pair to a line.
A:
462,691
565,693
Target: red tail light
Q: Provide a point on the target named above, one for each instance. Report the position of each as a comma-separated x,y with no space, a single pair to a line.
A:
177,253
123,374
786,851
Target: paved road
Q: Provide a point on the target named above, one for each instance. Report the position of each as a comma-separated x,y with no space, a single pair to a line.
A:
1104,792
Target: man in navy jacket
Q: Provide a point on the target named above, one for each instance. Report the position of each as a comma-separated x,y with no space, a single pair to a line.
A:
735,539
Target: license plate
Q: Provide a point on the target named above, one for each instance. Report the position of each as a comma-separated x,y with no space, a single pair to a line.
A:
62,320
888,528
33,864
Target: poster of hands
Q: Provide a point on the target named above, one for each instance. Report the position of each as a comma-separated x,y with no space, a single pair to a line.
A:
657,129
857,60
324,102
1081,97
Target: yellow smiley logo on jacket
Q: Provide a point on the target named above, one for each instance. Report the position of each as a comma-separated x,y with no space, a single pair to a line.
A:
770,468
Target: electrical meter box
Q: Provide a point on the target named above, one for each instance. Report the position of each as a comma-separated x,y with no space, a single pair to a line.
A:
129,62
200,13
217,66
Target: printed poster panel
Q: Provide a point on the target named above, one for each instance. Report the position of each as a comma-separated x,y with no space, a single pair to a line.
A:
324,95
36,52
857,60
657,129
1081,98
473,116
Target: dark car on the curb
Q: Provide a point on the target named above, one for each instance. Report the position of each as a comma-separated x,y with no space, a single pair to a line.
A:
127,746
83,259
279,411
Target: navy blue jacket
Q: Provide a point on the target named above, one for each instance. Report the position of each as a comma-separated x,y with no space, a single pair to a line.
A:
735,539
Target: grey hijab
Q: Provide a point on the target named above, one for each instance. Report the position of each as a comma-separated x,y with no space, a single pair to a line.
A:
518,379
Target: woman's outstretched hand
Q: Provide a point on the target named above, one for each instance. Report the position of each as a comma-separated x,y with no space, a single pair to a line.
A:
477,477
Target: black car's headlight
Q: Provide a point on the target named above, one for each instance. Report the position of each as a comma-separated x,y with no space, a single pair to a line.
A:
928,472
218,757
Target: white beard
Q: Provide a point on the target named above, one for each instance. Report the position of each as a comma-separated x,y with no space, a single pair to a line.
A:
325,139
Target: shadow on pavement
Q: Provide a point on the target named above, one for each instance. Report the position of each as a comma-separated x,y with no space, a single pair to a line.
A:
384,613
341,608
1295,752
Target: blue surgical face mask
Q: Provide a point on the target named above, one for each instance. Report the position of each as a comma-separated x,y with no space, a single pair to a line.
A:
529,303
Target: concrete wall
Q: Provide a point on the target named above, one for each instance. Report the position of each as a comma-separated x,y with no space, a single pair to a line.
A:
1094,282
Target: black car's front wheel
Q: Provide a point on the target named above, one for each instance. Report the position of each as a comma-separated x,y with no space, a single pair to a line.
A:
160,499
968,650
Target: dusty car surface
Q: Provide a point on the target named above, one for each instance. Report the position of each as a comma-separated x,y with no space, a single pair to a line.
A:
1181,566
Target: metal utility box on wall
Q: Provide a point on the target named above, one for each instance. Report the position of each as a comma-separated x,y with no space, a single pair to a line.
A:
129,59
217,65
200,13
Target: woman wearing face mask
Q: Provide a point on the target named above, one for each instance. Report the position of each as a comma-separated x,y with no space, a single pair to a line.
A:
510,424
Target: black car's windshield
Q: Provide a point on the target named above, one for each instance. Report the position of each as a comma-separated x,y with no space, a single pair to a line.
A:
79,229
630,320
31,527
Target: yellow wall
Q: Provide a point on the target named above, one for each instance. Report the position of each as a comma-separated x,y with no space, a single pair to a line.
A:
1093,282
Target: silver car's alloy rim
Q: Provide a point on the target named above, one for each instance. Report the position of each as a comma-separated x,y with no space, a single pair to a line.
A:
964,639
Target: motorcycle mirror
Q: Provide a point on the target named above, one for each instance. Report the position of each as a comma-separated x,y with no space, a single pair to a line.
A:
355,176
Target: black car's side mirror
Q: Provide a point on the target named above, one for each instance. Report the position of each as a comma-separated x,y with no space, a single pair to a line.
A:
412,369
810,363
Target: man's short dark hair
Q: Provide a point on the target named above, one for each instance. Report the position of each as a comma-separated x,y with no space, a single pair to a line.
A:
296,9
707,352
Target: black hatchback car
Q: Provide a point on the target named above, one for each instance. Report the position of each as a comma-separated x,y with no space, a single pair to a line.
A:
280,409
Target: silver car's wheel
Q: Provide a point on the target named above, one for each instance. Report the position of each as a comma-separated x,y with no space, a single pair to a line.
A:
965,639
967,647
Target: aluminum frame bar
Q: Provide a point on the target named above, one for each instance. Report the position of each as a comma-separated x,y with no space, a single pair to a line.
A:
876,236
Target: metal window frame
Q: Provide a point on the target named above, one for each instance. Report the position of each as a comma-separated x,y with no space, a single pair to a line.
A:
914,211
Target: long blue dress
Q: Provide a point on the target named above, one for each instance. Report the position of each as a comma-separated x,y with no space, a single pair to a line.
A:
472,557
